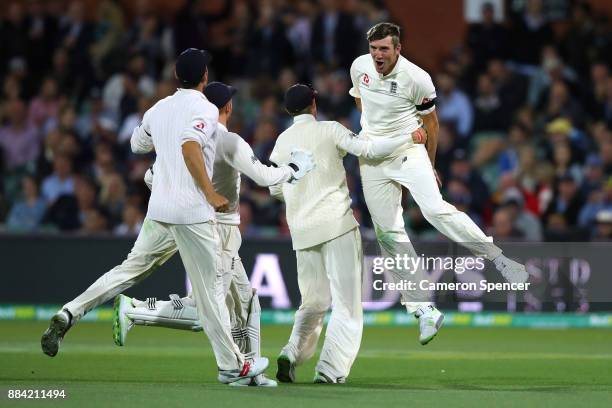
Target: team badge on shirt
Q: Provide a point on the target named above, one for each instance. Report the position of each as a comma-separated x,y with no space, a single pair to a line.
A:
199,126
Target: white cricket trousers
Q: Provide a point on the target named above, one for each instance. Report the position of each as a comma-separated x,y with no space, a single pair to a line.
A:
382,187
198,246
236,285
329,273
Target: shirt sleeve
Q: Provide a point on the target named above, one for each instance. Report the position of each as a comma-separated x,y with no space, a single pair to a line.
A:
240,156
276,191
349,142
424,93
141,141
354,91
201,127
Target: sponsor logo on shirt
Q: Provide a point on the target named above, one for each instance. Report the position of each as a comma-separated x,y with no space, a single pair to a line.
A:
352,134
199,126
254,159
365,79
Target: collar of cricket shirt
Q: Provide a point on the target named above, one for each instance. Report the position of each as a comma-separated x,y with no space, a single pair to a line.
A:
194,91
303,118
222,126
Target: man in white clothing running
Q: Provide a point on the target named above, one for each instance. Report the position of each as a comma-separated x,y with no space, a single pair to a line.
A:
325,237
181,216
233,157
396,97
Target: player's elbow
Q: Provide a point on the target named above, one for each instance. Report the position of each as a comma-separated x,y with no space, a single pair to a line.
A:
137,148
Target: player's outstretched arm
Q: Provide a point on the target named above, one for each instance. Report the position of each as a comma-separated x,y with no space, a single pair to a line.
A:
242,158
374,149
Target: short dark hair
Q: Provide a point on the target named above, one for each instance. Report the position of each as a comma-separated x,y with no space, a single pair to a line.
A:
304,111
383,30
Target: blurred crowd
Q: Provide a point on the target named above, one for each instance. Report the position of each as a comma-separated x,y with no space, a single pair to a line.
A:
525,145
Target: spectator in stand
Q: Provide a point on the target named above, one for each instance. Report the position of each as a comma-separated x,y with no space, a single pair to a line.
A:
511,87
45,107
489,115
108,33
95,221
60,182
121,91
530,32
576,43
334,36
603,230
552,69
27,213
459,195
131,223
487,39
42,26
453,105
503,227
76,35
270,49
597,200
461,169
566,202
14,27
593,174
19,139
523,221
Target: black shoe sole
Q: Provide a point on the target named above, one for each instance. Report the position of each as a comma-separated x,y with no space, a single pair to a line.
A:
286,370
52,337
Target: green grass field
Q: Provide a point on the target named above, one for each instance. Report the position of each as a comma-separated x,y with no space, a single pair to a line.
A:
462,367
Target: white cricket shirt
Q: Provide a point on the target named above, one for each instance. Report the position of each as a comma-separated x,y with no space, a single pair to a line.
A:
184,116
235,156
318,206
391,104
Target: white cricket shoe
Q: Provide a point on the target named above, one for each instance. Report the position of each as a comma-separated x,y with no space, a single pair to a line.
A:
250,368
121,322
430,321
512,271
259,381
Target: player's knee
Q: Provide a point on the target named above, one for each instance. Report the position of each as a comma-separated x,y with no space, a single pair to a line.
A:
437,209
389,237
320,305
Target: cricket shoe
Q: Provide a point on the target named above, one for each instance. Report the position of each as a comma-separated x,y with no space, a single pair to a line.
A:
250,368
430,321
53,336
122,324
259,381
322,378
512,271
286,369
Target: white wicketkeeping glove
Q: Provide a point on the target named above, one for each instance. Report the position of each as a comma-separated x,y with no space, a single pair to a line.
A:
301,163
